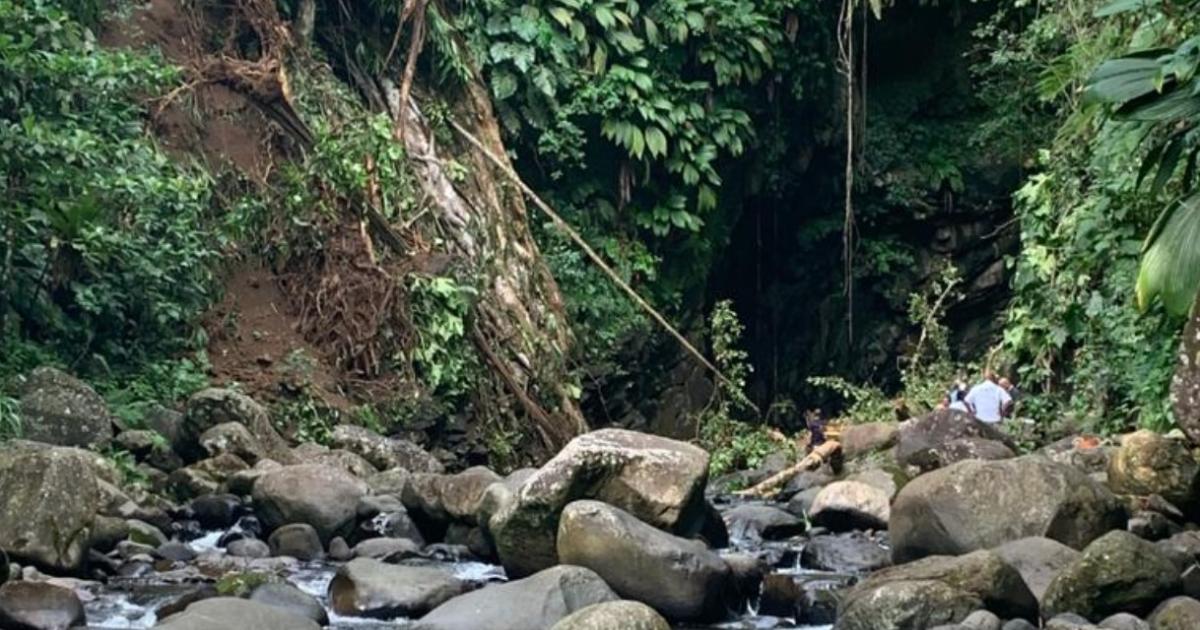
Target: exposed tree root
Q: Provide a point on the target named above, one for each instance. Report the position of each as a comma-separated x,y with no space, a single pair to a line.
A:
813,460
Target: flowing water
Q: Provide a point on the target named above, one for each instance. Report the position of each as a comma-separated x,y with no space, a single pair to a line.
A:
130,603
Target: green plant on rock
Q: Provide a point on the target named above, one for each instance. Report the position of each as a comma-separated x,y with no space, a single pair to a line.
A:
441,355
126,466
10,418
308,419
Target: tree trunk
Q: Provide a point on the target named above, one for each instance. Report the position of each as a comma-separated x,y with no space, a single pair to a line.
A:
1185,386
520,325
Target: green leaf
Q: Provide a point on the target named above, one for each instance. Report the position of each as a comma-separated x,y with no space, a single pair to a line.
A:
637,144
628,41
1170,266
562,16
656,141
1124,79
1175,104
504,85
1124,6
604,16
1166,164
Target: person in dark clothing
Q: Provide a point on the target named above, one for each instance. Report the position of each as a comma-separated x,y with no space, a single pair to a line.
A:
816,428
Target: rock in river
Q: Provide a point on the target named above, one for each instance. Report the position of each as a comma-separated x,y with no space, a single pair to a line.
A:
369,588
658,480
622,615
982,504
1118,572
230,613
680,578
538,601
322,496
39,606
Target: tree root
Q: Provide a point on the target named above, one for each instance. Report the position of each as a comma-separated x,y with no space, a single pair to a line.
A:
812,461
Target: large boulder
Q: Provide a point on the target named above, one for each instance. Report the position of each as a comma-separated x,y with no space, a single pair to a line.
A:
868,437
369,588
983,504
680,578
946,436
291,599
39,606
383,452
322,496
210,407
848,505
936,590
658,480
235,438
1038,560
51,498
57,408
622,615
1118,572
224,613
1149,463
538,601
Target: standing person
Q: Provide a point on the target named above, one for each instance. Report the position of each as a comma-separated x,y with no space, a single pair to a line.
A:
988,401
816,428
1007,386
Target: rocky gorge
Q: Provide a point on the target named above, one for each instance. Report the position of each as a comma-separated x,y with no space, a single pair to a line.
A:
936,522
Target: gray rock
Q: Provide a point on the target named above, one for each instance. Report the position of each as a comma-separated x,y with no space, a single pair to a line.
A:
980,578
1018,624
347,461
1038,560
340,551
680,578
983,504
216,511
538,601
205,476
444,498
369,588
1118,572
846,505
1177,613
881,479
321,496
846,553
620,615
175,551
761,522
211,407
248,548
392,481
233,438
392,549
981,620
39,606
51,498
296,540
944,437
226,613
384,453
868,437
57,408
801,503
1068,621
658,480
291,599
1124,621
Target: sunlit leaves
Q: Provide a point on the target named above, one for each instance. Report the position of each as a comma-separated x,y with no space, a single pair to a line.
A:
1170,266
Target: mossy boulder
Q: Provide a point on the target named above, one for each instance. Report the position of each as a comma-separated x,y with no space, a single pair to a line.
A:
1118,572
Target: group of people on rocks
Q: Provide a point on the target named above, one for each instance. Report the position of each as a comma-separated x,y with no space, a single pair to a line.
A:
991,400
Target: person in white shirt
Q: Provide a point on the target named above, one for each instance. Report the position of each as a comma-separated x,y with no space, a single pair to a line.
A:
988,399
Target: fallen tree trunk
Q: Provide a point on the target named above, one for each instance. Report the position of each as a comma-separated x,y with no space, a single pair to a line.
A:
813,460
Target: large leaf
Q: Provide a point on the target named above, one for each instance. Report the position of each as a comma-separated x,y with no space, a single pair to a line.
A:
1175,104
1125,78
1124,6
1170,265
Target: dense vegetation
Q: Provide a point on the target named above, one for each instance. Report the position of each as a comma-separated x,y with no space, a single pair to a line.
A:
659,130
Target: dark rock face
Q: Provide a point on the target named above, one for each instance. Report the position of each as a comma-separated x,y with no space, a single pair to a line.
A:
39,606
214,406
321,496
658,480
845,553
762,522
369,588
982,504
680,578
538,601
226,613
946,436
51,498
1118,572
57,408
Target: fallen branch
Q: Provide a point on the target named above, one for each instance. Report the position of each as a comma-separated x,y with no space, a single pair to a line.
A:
770,485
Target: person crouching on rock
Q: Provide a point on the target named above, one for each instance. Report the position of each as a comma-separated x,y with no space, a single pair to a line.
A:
987,400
